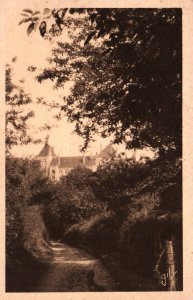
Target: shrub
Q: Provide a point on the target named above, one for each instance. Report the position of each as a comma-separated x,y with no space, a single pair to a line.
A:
73,201
26,236
97,235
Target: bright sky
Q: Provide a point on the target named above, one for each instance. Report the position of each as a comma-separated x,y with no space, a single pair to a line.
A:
33,50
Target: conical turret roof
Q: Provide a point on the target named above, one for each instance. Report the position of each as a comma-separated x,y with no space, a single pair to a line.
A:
107,151
46,151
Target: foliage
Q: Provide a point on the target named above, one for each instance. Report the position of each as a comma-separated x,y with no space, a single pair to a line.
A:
27,254
38,19
142,206
130,185
35,236
18,113
72,202
144,202
114,180
76,187
126,64
21,192
126,187
150,235
97,235
26,236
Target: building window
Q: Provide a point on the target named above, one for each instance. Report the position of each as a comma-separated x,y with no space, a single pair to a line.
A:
53,172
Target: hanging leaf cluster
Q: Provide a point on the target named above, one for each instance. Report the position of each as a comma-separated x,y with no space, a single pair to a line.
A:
38,19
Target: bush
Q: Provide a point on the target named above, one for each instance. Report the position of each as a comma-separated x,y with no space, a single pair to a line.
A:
26,236
35,237
113,179
138,239
73,201
98,235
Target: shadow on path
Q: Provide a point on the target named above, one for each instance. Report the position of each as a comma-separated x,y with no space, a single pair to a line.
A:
74,270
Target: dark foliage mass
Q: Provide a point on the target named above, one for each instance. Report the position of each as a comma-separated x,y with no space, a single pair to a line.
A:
73,200
26,235
126,64
23,182
144,210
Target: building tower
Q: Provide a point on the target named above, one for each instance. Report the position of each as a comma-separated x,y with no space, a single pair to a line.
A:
45,156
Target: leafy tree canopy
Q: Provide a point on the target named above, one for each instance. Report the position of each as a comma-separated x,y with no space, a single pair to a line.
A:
127,73
18,113
121,182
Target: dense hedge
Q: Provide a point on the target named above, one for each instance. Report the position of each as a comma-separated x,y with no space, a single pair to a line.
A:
26,235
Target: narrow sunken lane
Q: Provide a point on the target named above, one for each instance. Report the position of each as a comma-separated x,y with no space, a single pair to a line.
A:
74,270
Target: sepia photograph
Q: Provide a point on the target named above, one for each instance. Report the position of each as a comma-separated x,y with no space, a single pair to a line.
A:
93,149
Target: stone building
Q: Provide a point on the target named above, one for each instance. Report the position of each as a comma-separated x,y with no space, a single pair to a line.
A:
56,166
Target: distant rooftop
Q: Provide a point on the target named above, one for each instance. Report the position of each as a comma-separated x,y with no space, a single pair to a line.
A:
46,151
73,161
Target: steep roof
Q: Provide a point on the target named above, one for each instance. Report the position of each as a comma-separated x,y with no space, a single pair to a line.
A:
73,162
107,151
54,162
47,149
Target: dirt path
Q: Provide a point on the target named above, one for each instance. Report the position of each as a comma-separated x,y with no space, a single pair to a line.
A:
74,270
